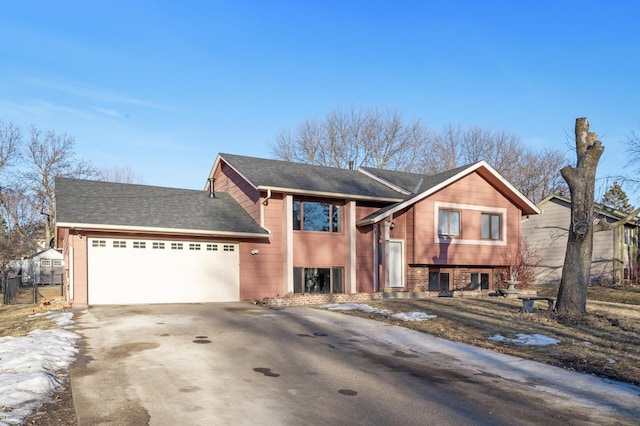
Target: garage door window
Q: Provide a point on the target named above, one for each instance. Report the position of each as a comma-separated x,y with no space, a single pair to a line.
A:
158,246
139,244
194,246
176,246
119,244
98,243
212,247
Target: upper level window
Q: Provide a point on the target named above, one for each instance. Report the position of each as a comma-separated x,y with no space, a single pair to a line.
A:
491,226
316,216
449,223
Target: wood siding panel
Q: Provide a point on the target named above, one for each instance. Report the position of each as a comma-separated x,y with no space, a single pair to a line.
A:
548,234
318,249
227,180
474,191
262,274
364,252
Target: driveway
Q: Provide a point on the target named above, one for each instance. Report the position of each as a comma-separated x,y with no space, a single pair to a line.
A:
241,364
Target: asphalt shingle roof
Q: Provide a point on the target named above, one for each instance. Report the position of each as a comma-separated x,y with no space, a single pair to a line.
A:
414,182
119,204
309,178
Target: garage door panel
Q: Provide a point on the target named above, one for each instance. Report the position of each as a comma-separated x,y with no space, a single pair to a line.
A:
129,271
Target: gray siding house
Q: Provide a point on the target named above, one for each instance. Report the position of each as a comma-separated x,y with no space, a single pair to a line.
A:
615,252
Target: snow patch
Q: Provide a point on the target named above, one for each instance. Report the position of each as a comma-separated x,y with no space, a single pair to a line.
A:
403,316
33,367
526,339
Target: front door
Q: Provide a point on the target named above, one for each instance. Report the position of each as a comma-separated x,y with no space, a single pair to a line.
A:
396,262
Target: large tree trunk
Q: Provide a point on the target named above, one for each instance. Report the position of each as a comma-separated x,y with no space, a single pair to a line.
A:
572,296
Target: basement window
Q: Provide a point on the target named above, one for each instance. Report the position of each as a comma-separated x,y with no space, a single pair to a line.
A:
318,280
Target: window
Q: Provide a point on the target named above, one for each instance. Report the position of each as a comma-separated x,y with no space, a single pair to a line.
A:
212,247
316,216
491,226
57,262
449,223
139,244
438,281
176,246
119,244
194,246
228,247
157,245
627,236
318,280
479,281
98,243
45,262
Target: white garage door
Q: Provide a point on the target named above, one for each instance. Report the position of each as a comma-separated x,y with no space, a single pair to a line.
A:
128,271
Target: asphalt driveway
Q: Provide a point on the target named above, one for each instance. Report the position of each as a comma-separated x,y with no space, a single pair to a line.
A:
241,364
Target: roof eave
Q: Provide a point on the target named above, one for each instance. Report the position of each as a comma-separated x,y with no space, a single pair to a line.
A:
159,231
326,194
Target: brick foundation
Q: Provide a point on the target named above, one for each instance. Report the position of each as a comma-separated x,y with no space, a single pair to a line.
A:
317,299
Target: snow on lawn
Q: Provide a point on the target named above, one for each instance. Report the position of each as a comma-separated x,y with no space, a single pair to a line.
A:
33,367
527,339
521,339
404,316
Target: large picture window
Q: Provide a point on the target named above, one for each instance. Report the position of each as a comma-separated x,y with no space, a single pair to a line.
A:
318,280
316,216
449,223
491,226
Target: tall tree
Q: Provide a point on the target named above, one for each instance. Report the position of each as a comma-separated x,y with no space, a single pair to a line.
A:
371,137
120,174
354,138
616,198
49,155
10,140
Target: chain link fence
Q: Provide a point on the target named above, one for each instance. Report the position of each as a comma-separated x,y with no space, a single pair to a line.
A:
15,292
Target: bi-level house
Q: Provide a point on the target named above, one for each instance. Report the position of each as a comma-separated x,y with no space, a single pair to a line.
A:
288,233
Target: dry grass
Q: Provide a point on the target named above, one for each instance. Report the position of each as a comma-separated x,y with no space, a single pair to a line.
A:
15,319
604,342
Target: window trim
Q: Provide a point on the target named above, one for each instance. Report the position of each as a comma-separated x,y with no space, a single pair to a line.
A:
335,208
332,273
437,205
449,235
491,215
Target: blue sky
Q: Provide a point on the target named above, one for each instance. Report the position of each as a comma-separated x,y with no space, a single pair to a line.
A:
162,87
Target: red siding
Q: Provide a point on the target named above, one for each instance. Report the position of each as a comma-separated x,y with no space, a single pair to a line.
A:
262,275
227,180
471,190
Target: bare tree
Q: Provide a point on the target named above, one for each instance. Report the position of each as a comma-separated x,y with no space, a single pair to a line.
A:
371,137
354,138
10,139
49,155
121,174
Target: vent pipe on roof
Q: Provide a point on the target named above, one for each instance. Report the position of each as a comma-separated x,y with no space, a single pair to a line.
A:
211,193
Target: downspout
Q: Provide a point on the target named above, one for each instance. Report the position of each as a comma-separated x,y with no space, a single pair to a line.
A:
265,202
376,256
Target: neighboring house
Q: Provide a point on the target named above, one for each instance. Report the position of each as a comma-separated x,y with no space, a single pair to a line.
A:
43,268
290,231
615,252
